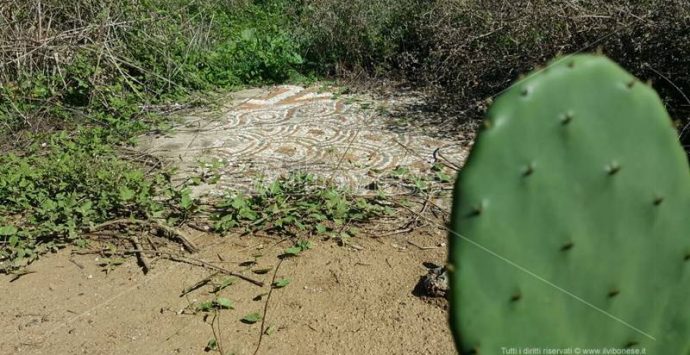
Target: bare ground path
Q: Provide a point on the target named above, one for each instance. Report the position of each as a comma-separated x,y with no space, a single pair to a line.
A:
341,299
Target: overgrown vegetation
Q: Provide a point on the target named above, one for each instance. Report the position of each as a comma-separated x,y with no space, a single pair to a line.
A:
470,50
299,204
107,62
80,79
120,58
63,186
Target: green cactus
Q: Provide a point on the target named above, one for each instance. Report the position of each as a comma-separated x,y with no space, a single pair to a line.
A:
571,219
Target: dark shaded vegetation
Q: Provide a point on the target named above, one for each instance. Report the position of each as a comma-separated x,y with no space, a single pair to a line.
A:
116,58
469,51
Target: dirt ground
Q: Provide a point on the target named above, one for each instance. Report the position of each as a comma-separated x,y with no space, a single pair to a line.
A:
341,300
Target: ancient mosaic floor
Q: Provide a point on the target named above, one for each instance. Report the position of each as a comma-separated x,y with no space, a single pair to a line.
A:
262,133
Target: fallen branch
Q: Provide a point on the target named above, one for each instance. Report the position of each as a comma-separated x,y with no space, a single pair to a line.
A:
141,256
141,157
174,257
437,154
20,273
199,227
202,263
169,232
412,224
199,284
419,246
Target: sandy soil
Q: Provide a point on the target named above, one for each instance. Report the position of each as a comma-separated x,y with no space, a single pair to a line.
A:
341,300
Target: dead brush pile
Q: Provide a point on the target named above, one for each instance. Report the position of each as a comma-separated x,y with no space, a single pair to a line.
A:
476,48
466,51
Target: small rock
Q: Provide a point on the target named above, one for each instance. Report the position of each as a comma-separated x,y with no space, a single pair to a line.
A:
435,283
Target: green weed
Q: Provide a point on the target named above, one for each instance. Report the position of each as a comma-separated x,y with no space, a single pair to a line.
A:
62,185
217,304
422,184
251,318
53,185
298,204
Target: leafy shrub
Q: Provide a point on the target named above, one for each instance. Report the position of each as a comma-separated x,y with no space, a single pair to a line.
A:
109,59
299,202
116,56
58,188
340,36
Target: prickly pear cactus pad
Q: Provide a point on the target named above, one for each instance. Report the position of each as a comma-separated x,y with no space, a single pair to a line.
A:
571,219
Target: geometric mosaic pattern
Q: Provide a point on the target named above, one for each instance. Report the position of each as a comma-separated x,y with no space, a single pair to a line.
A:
273,131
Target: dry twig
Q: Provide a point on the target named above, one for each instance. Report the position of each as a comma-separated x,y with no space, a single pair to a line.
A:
174,257
199,284
169,232
268,298
141,256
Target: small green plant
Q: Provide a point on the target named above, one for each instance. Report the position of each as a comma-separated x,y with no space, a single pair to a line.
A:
441,173
109,264
251,318
280,283
422,183
211,345
299,203
215,304
299,247
210,172
63,185
228,281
